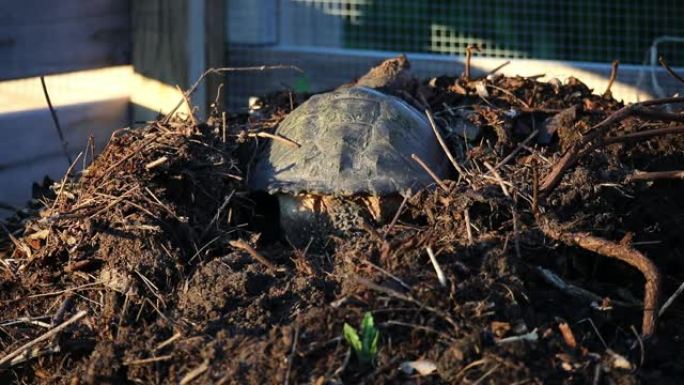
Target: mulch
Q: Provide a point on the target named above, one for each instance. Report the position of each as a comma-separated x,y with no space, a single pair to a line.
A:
558,237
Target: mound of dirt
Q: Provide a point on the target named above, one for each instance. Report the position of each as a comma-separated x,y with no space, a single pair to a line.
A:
557,243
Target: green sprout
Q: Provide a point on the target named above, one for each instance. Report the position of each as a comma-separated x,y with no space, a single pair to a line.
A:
365,346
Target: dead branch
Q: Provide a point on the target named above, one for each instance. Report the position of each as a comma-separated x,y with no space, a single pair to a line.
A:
551,180
651,114
618,251
643,135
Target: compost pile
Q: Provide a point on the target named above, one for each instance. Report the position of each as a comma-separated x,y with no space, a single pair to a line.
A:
556,246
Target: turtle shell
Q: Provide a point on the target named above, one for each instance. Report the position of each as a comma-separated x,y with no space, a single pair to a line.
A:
352,141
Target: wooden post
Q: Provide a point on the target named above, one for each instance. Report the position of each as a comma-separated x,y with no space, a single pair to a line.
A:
215,55
174,42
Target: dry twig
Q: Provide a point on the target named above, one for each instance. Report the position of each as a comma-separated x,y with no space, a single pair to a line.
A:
438,269
51,333
655,175
445,148
669,69
671,300
430,172
194,373
613,75
279,138
222,70
406,298
291,357
242,245
469,55
53,113
469,231
513,153
498,178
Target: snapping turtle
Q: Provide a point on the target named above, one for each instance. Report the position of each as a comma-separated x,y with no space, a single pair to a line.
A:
353,161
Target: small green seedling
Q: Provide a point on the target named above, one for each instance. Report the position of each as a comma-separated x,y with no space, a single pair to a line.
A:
365,346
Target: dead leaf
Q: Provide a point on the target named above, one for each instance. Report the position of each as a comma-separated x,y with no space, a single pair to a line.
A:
423,367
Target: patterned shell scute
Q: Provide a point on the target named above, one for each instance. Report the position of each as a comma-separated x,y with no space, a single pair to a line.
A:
353,141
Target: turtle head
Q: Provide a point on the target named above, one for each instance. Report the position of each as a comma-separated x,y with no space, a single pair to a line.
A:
310,219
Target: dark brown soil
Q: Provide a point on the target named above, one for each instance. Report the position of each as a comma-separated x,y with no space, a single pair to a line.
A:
141,240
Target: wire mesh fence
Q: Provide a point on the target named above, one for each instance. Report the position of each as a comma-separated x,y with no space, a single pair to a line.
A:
577,30
561,30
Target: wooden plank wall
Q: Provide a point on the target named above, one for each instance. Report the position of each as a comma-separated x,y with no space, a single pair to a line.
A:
169,43
69,41
39,37
30,148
